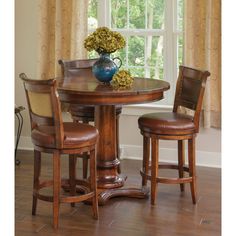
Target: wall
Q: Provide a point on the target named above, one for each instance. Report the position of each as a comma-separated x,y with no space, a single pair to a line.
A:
25,50
208,141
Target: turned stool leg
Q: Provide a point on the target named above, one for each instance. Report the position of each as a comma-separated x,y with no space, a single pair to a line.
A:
154,169
181,161
72,176
37,170
192,167
85,156
85,165
56,187
146,157
93,183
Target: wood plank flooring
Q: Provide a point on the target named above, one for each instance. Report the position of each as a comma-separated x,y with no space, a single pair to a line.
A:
174,213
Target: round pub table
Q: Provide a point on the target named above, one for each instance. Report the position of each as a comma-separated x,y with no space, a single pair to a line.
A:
86,90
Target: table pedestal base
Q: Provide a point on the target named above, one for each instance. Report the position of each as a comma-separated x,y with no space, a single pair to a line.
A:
105,194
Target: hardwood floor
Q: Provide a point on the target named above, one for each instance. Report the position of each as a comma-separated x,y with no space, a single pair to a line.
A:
174,213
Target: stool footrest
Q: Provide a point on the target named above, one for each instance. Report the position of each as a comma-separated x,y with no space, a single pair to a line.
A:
166,180
77,198
44,197
82,186
171,166
174,180
45,184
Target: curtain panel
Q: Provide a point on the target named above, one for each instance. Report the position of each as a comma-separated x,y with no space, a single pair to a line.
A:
62,28
202,50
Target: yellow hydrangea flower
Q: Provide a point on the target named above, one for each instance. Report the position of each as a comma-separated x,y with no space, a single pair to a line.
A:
103,40
123,79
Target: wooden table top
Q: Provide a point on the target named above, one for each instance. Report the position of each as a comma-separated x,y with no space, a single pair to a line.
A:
89,91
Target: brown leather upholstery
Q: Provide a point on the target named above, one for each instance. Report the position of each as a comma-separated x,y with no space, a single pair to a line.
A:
167,123
75,135
79,135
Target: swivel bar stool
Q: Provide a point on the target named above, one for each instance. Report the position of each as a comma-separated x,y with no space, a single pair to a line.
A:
174,126
50,134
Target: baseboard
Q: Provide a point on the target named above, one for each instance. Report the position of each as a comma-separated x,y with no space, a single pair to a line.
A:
209,159
25,143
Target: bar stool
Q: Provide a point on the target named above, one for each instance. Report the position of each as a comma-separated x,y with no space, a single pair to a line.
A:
50,134
174,126
85,113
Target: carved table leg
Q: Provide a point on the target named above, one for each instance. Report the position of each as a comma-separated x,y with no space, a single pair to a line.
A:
105,194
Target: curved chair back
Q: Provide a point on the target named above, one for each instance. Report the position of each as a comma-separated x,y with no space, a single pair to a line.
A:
73,67
190,90
44,105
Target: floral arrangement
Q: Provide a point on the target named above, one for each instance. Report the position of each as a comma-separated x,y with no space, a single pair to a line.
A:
103,40
122,79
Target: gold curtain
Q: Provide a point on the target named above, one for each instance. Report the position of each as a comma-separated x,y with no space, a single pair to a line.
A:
202,50
62,30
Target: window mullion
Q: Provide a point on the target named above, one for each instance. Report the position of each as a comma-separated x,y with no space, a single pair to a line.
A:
146,22
103,13
175,44
127,36
141,32
168,46
126,51
127,14
145,41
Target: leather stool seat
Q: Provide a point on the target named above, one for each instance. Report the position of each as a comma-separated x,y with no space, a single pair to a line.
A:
76,135
168,123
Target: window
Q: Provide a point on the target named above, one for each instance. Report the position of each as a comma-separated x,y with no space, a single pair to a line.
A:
153,32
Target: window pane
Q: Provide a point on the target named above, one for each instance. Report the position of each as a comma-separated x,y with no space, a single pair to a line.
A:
93,54
155,14
154,56
180,9
157,73
122,55
136,51
136,72
118,13
137,14
92,14
154,49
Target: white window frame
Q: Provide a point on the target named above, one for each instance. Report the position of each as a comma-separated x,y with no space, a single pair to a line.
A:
170,36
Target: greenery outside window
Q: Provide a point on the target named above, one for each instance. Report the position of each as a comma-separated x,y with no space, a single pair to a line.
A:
153,30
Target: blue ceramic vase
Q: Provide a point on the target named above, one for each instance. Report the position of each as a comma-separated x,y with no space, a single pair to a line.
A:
105,67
